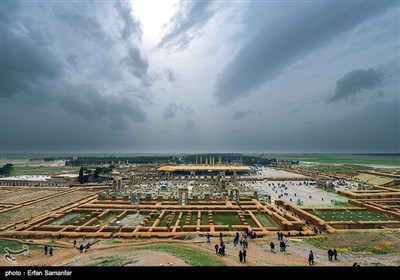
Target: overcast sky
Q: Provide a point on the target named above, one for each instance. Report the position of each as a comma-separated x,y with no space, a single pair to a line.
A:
200,76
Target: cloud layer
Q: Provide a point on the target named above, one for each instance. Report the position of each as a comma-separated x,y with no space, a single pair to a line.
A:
355,82
273,49
224,77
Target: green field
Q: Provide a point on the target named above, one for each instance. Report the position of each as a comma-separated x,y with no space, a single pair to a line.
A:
42,170
151,221
175,218
367,161
226,219
355,216
345,168
192,256
110,261
250,221
28,211
164,220
358,242
204,218
16,245
193,219
266,220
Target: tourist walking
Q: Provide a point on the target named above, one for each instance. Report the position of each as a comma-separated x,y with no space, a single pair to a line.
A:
311,258
272,245
244,255
220,236
240,255
45,249
335,254
208,238
81,248
74,243
330,254
51,251
216,248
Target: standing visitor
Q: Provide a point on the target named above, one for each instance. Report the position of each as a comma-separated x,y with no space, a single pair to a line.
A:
311,258
335,254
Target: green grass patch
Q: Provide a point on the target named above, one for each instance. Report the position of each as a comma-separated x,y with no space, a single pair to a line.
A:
226,219
164,219
265,220
352,215
193,219
42,170
250,221
151,221
360,161
110,261
192,256
16,245
359,243
28,211
175,218
336,204
204,218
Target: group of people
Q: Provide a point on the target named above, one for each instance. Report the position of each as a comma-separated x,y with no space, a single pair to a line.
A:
331,254
316,231
48,249
280,235
220,249
83,248
283,245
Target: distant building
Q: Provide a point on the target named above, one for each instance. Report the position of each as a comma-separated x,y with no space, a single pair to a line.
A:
61,180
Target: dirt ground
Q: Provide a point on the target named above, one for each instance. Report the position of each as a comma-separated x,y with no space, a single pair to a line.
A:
132,253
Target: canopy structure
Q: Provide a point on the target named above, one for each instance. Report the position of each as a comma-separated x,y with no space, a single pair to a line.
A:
205,168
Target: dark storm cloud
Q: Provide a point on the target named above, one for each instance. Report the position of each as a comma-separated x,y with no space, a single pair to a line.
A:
184,25
131,26
79,17
364,130
270,51
34,78
136,63
25,62
170,111
86,101
355,82
241,114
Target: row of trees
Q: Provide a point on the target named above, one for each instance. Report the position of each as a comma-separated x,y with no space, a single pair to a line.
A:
96,173
6,169
85,161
